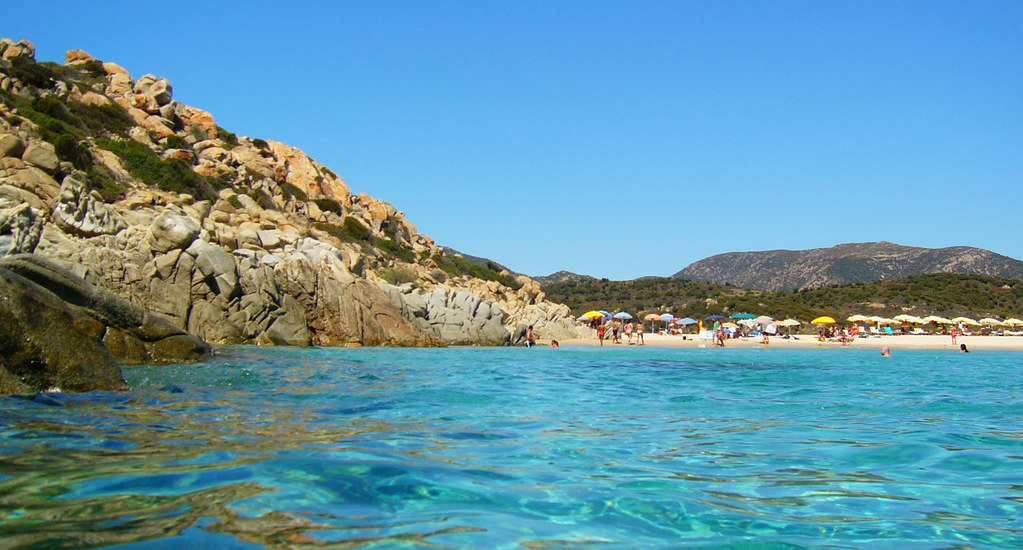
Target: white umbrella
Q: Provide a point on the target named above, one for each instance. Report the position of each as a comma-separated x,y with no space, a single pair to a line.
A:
937,319
965,321
1012,322
991,321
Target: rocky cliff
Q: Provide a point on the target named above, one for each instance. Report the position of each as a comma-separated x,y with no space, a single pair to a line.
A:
235,239
846,263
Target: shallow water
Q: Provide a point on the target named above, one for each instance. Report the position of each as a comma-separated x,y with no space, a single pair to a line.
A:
534,448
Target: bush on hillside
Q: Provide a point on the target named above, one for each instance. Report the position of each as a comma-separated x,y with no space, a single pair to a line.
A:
167,174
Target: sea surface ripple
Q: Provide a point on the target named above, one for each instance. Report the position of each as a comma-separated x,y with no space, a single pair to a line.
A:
525,448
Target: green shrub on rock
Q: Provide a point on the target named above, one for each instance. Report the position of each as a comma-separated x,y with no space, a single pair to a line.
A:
328,205
167,174
398,275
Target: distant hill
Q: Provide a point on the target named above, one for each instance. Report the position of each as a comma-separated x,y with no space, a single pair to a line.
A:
562,277
945,294
844,264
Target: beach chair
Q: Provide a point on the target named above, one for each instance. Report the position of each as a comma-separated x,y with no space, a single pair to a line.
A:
888,331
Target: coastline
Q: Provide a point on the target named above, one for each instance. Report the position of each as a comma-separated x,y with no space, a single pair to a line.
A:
909,341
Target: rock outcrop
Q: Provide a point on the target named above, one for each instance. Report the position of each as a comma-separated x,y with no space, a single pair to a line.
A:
61,332
233,239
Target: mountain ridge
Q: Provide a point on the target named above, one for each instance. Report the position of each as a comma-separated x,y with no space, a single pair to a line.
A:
846,263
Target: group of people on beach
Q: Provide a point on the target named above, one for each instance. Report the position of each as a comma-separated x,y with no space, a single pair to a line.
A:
631,330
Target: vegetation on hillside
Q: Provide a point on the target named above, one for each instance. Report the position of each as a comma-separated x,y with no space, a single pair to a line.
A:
942,294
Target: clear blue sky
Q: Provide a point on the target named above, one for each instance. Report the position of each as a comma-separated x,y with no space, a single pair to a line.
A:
616,139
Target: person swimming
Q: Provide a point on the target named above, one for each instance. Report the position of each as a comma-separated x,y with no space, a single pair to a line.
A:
886,351
962,348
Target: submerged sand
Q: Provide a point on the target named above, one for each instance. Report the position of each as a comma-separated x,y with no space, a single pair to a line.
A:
1004,343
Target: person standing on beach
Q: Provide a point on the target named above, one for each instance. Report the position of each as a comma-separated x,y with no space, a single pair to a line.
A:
954,332
639,333
628,331
615,327
601,331
530,337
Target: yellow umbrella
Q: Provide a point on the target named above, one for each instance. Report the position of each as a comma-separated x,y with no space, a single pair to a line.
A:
592,314
824,320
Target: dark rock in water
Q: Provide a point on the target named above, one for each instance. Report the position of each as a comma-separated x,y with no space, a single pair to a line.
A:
132,334
46,342
60,332
48,399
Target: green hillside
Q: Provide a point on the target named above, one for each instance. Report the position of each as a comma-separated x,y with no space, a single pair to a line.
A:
942,294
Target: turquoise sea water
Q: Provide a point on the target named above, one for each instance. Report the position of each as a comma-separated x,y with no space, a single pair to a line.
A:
526,448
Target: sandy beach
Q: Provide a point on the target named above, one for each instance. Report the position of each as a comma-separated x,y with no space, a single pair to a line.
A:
973,343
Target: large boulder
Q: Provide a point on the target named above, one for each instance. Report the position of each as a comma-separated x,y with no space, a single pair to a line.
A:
47,343
172,230
76,328
450,316
20,229
81,212
159,89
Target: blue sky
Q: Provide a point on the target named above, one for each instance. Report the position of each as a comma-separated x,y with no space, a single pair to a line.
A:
615,139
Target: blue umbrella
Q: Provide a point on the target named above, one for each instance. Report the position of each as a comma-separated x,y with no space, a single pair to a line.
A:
622,315
688,321
667,317
714,317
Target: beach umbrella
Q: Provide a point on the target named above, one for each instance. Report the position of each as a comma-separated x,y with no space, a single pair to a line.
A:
652,317
789,323
622,315
729,324
592,315
965,321
857,318
937,319
823,320
763,320
990,321
667,317
691,321
742,316
1012,322
714,317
